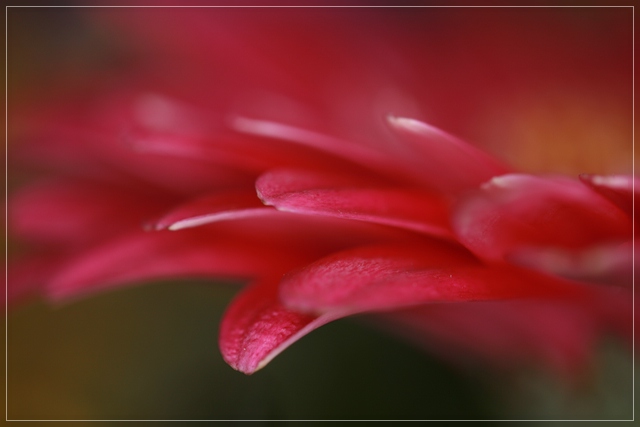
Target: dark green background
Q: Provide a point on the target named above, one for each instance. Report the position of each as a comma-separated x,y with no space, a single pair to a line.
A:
151,352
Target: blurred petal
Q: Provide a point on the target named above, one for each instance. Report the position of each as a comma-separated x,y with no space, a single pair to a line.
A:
622,190
513,212
441,160
343,197
26,276
245,247
504,334
75,212
384,277
215,207
342,149
256,327
165,254
611,263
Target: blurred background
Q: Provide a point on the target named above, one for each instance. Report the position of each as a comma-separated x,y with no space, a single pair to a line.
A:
546,90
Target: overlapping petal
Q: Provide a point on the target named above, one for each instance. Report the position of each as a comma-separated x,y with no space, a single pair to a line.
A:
74,212
153,255
558,334
453,165
257,327
366,212
514,212
218,206
386,277
623,190
346,196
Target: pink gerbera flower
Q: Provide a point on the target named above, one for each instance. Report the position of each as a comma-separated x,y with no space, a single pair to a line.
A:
244,145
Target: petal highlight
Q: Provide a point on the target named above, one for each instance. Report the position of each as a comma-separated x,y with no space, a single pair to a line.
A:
387,277
443,161
513,212
257,327
346,197
218,206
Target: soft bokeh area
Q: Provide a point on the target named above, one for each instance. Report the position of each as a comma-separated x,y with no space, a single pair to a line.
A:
547,90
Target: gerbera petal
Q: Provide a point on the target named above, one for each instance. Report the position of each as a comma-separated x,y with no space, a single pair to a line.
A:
441,160
512,212
608,263
70,211
345,197
384,277
244,247
622,190
27,274
504,334
257,327
164,254
111,152
214,207
358,154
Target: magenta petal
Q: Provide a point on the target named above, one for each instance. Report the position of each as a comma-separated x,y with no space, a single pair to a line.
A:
77,212
165,254
271,243
609,264
558,332
504,334
513,212
256,327
623,190
358,154
215,207
27,274
345,197
385,277
441,160
254,145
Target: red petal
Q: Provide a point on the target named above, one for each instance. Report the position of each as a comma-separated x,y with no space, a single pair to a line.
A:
74,212
441,160
73,143
26,276
212,208
165,254
387,277
250,247
560,333
342,149
256,327
506,334
610,264
320,194
513,212
622,190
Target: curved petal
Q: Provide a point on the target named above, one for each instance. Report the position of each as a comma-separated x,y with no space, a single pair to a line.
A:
214,207
75,212
271,243
441,160
608,264
514,212
27,274
72,143
504,334
257,327
345,197
560,333
386,277
358,154
623,190
165,254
